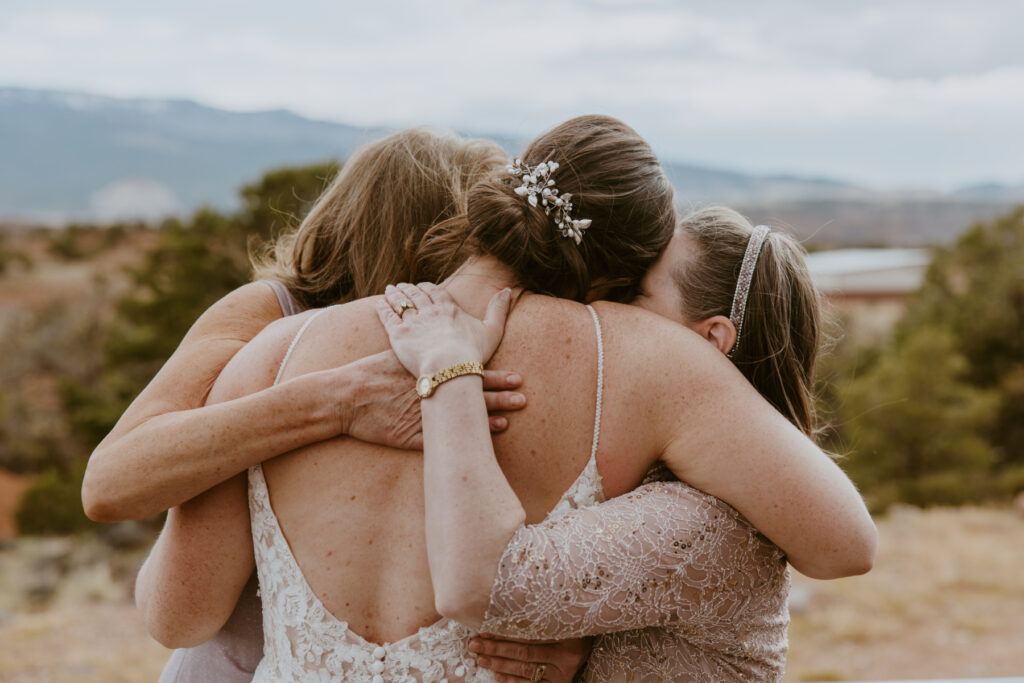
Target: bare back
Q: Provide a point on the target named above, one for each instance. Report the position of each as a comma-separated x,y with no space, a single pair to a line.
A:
353,512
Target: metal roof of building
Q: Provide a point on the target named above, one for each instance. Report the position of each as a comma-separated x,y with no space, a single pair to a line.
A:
868,271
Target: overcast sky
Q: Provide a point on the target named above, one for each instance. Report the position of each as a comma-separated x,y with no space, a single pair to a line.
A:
892,94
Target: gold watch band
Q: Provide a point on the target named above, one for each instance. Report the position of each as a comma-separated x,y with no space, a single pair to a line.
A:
426,384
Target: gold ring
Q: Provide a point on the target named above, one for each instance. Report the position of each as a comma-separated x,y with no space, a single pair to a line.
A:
403,307
538,673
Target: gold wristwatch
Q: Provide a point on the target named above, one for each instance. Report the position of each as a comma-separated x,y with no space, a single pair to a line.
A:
426,384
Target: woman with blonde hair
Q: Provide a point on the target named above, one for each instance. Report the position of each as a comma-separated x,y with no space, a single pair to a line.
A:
349,587
362,233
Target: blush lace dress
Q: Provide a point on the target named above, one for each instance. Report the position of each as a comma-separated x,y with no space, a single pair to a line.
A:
676,585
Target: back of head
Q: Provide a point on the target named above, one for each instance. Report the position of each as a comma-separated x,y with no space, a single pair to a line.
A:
365,229
781,326
615,181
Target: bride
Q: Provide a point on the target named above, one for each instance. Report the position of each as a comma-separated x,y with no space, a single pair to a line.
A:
353,512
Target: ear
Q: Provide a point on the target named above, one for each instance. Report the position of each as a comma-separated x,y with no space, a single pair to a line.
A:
718,330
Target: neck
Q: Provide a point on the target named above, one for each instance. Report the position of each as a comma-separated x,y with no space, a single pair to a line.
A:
477,280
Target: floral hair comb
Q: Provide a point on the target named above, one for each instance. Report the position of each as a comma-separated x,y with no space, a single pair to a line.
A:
539,189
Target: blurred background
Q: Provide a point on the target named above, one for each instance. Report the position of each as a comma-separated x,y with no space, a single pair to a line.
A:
144,148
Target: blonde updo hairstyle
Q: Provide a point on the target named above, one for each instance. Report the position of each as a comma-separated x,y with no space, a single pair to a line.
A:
615,181
782,325
365,229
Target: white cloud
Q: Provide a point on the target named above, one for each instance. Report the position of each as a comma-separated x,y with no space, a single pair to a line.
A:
869,90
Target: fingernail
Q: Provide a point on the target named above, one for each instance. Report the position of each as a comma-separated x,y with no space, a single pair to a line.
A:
513,379
389,288
517,399
474,645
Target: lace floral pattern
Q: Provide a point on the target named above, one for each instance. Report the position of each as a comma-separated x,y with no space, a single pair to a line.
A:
710,590
302,641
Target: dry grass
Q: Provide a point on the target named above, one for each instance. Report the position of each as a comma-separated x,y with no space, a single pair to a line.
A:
85,629
89,643
946,599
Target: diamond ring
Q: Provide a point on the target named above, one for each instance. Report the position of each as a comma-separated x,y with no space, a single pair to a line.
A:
403,307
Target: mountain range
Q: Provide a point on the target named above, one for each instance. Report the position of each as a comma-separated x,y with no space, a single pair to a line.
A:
75,156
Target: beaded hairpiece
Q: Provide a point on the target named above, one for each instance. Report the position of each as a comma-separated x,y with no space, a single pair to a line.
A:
539,188
739,297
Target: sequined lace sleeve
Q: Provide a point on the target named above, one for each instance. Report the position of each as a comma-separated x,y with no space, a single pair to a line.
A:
663,555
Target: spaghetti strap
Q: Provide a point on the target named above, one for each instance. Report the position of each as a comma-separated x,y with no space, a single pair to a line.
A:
588,489
295,340
600,385
289,306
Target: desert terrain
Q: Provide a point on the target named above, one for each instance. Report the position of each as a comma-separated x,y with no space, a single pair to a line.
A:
945,600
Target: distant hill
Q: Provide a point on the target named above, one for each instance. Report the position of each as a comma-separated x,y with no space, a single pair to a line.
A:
70,155
74,156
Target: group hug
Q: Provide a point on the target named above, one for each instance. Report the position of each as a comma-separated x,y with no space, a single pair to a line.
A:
481,418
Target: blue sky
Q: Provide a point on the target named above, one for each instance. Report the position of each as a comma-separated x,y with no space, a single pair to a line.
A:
898,94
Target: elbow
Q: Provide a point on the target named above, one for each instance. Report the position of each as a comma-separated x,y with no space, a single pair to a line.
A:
864,559
174,626
94,502
463,593
459,605
98,509
463,597
174,635
858,557
99,501
106,497
854,558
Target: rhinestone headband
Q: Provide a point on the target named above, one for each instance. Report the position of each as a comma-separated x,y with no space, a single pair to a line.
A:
739,298
539,189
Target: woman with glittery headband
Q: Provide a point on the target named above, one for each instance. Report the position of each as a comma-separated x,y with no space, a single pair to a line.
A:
718,602
693,405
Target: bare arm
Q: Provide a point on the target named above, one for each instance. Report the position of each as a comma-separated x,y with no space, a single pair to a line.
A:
189,585
471,511
191,581
168,448
731,443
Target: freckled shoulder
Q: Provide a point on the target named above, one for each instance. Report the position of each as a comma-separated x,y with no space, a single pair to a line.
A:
239,316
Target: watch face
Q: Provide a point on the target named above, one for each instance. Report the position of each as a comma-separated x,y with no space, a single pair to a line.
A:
424,386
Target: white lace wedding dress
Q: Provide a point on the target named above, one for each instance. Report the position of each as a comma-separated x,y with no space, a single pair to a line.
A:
302,641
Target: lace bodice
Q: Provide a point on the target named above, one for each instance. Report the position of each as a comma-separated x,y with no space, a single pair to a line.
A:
711,590
303,641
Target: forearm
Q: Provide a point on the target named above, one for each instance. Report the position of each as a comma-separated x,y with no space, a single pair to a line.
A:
734,445
173,457
189,585
471,511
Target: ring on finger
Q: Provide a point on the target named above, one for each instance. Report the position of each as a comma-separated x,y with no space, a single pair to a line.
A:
538,673
404,306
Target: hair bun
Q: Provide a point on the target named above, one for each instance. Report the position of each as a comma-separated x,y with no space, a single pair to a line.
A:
613,179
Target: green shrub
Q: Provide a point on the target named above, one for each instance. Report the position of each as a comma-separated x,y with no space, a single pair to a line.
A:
53,504
937,415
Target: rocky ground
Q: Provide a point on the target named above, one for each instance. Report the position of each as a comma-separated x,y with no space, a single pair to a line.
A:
945,600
